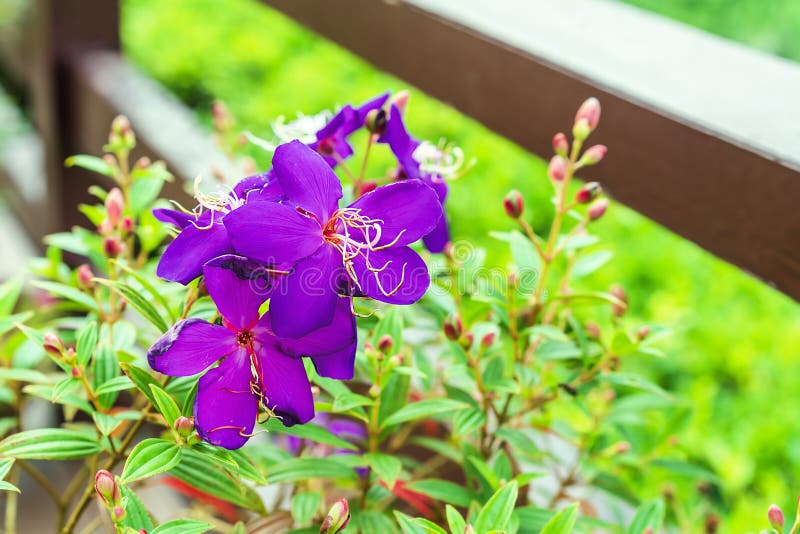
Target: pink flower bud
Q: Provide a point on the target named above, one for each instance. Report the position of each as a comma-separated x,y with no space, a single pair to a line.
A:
453,327
589,112
643,332
184,425
385,343
400,100
597,209
84,274
53,344
126,225
337,518
622,447
119,514
557,170
143,162
560,144
588,192
120,125
376,121
115,203
106,487
593,330
593,155
775,516
76,372
397,359
618,292
487,340
513,204
111,247
467,340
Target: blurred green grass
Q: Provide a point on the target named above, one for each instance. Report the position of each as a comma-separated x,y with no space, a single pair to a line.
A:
734,350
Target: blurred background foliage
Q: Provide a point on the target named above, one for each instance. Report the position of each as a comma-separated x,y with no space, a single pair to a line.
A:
733,353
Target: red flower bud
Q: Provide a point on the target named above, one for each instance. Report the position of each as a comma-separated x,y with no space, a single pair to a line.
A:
53,344
593,330
560,144
597,209
453,327
775,516
115,203
400,100
111,247
467,340
588,192
593,155
643,332
121,125
487,340
143,162
513,204
76,372
376,121
589,112
106,487
385,343
366,187
126,225
337,518
119,514
557,169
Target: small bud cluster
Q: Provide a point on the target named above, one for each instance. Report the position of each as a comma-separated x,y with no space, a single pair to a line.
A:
107,489
337,519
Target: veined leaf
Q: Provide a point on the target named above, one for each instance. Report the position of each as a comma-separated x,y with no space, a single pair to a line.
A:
118,383
137,300
443,490
454,520
423,409
496,513
388,468
66,292
305,468
563,522
649,514
165,404
311,432
182,526
91,163
49,444
141,379
136,515
150,457
87,341
305,506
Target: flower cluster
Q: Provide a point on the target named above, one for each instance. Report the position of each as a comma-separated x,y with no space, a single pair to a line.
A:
286,237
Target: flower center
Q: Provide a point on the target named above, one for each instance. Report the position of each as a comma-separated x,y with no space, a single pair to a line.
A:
244,338
444,160
326,146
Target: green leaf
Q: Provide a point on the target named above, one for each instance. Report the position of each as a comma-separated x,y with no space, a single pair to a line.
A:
247,468
522,250
165,404
157,295
443,490
423,409
467,421
87,341
531,519
455,521
309,431
10,322
635,381
5,466
106,423
118,383
144,192
409,525
9,295
141,379
46,392
195,470
563,522
558,350
305,506
106,369
182,526
136,515
91,163
394,396
348,401
589,263
49,444
304,468
387,467
649,514
150,457
137,300
66,292
24,375
8,486
496,513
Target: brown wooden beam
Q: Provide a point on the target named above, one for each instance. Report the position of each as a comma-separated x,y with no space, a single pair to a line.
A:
734,198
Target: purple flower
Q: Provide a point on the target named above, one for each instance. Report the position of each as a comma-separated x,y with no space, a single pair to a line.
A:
359,250
203,236
407,151
331,140
256,367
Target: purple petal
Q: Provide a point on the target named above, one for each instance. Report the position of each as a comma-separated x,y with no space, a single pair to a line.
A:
306,299
307,180
340,333
401,143
286,389
406,211
397,275
189,347
339,365
225,409
343,123
250,183
437,239
183,259
348,429
272,233
174,217
238,287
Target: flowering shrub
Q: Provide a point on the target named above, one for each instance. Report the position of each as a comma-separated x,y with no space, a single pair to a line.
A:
314,329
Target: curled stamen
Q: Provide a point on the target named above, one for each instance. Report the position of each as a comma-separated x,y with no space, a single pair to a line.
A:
442,161
303,128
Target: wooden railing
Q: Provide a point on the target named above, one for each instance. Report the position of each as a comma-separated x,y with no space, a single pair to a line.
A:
705,133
